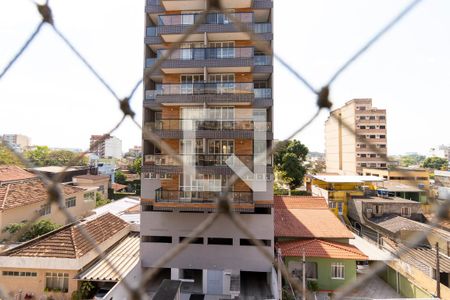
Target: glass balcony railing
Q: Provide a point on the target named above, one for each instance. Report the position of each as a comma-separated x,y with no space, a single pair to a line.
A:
190,196
191,125
209,88
207,53
203,160
262,60
211,18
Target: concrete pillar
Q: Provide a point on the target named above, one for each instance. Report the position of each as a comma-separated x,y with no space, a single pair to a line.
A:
174,273
205,281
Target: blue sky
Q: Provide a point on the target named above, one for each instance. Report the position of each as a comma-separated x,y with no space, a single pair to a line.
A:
51,97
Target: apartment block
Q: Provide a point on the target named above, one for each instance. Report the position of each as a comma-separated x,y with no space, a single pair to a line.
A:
355,138
19,141
106,146
210,102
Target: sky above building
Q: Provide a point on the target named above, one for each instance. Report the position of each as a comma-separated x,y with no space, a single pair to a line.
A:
50,95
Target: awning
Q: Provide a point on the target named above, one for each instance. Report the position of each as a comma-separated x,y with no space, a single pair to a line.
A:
122,258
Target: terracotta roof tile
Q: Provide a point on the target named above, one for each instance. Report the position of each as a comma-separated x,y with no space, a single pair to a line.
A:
299,218
320,248
14,173
26,192
300,202
117,186
68,242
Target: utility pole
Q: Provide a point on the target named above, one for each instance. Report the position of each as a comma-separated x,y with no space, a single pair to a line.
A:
438,273
304,276
280,288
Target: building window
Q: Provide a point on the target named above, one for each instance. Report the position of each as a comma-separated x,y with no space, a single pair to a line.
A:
165,176
382,117
406,211
22,274
57,282
337,271
220,241
198,240
157,239
46,209
247,242
89,196
149,175
310,272
331,204
71,202
378,209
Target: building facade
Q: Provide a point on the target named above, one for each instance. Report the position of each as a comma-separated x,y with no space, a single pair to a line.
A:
106,146
355,138
211,103
18,141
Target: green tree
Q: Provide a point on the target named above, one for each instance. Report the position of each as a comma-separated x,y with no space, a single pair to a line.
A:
38,156
289,160
7,157
100,200
436,163
37,229
411,160
136,166
119,177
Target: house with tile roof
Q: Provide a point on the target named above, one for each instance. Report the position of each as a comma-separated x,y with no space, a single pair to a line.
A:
305,225
51,264
24,198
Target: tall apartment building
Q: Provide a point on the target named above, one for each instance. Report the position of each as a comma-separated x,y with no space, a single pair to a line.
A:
21,142
211,102
106,147
355,138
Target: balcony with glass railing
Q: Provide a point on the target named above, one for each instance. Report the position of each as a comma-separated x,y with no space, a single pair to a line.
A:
209,88
206,53
210,18
184,196
197,125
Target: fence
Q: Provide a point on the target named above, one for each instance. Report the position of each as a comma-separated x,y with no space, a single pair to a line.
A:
213,15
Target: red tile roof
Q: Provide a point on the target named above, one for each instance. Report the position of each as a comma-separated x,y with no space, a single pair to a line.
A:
14,173
68,242
306,217
117,186
30,191
320,248
300,202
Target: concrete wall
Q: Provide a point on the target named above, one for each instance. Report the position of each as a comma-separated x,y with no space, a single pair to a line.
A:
102,184
30,212
196,256
133,278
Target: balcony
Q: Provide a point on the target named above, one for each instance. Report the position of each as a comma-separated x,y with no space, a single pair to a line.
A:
210,92
160,6
217,26
202,160
185,198
184,128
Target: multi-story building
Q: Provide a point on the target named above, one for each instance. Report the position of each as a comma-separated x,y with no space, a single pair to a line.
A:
355,138
106,146
210,100
21,142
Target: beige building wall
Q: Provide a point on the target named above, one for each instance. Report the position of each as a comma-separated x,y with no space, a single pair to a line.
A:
412,177
31,212
102,184
353,136
13,286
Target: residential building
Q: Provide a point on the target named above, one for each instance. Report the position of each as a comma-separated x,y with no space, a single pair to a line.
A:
101,182
442,184
415,177
304,225
401,190
24,197
337,190
106,146
355,138
55,264
441,151
136,151
20,141
211,102
64,174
